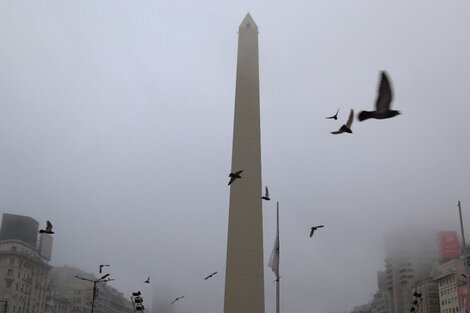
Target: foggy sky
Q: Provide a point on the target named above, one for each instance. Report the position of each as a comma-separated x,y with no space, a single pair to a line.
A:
116,122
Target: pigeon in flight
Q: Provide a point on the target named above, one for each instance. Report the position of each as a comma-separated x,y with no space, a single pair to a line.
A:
210,276
147,281
266,194
346,128
234,176
101,267
177,299
382,104
314,228
48,229
335,117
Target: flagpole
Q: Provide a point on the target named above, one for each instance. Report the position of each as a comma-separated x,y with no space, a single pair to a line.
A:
278,281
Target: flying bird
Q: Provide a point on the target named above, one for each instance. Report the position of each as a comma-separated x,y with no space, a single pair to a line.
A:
279,278
266,194
177,299
335,117
147,281
210,276
48,229
382,104
101,267
234,176
314,228
346,128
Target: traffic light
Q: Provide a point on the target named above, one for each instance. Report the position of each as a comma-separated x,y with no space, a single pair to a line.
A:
137,301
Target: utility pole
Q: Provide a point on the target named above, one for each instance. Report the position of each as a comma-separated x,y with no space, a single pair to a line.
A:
465,258
99,280
464,247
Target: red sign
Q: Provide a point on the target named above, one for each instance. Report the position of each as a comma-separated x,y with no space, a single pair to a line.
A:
448,244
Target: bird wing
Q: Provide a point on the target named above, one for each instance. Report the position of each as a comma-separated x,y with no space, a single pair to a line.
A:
320,226
231,180
49,225
384,97
337,132
311,231
238,172
350,119
174,301
267,192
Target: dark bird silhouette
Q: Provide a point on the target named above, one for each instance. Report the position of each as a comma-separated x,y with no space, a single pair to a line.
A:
48,229
382,104
266,194
279,278
177,299
101,267
346,128
234,176
210,276
335,117
147,281
314,228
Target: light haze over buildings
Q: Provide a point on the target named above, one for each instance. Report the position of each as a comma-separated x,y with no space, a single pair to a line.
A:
116,124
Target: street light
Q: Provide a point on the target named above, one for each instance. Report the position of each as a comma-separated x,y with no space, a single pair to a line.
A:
102,279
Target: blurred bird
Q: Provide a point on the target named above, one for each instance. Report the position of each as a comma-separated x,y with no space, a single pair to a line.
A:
210,276
266,194
346,128
101,267
335,117
177,299
314,228
382,104
48,229
279,278
234,176
147,281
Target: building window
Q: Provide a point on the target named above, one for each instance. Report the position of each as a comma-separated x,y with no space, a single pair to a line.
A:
13,248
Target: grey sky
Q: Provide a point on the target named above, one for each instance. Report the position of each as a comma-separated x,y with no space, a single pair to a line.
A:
116,124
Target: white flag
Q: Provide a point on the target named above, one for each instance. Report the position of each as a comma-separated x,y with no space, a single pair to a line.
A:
274,259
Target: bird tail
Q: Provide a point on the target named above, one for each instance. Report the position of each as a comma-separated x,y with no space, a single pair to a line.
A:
364,115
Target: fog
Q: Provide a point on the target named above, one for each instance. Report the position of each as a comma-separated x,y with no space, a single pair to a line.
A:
116,122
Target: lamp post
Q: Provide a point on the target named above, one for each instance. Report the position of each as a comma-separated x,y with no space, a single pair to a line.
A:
99,280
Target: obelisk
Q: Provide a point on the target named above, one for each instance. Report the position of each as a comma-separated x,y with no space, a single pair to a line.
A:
244,279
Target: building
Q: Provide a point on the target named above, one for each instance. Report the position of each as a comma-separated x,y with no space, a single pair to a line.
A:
21,265
365,308
448,277
67,294
379,303
429,302
411,254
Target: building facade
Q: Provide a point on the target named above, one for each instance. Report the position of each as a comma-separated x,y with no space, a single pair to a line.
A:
448,277
67,294
429,302
23,270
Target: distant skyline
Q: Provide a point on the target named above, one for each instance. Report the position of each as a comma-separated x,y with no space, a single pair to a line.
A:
116,122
